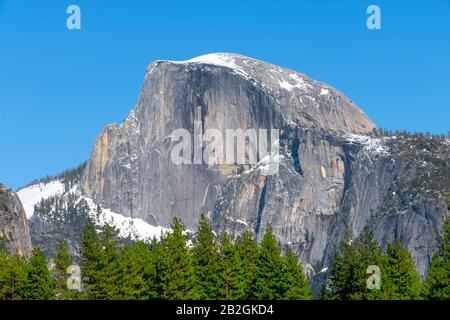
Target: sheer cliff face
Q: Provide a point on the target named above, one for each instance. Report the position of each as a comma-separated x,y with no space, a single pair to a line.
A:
330,175
14,232
130,168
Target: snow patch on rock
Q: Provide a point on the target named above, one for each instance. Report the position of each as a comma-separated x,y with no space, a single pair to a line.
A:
218,59
134,228
324,92
244,66
375,146
32,195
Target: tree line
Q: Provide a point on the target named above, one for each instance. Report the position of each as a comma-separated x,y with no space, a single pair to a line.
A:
211,268
171,268
398,277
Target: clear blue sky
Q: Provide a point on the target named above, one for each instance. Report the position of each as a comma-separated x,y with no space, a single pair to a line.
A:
59,88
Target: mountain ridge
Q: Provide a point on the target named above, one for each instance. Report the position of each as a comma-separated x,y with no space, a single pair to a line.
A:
335,170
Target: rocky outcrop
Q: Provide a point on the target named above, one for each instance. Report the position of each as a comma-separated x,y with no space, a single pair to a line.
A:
332,174
14,232
346,182
130,169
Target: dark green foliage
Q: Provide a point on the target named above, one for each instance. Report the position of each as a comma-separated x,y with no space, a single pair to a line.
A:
62,261
39,284
247,251
437,284
206,261
296,285
166,269
178,275
156,290
230,270
368,253
90,248
349,277
100,263
268,281
400,278
12,275
240,270
340,286
138,272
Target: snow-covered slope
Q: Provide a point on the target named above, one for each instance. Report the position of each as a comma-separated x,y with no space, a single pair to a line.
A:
271,77
127,227
133,228
32,195
375,146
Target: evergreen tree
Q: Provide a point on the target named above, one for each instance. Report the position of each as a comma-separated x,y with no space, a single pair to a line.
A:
155,283
90,253
368,252
12,275
348,280
400,280
4,257
138,271
100,263
268,282
296,284
109,265
340,285
62,261
39,284
247,252
230,265
178,275
437,284
205,260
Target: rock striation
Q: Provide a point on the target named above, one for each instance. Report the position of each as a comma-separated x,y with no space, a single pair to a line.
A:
334,170
14,232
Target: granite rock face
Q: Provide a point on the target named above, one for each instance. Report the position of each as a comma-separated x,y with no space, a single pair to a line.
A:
332,174
130,169
349,182
14,232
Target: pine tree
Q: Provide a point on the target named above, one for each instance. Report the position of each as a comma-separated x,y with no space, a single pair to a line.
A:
400,280
296,284
247,252
348,280
340,285
12,275
155,282
109,265
4,255
39,284
437,284
368,252
62,260
138,271
268,282
100,263
230,264
205,261
90,253
178,276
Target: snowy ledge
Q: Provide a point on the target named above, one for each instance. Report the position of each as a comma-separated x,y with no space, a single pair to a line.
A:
375,146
